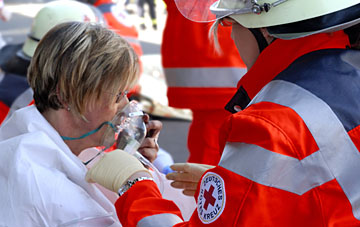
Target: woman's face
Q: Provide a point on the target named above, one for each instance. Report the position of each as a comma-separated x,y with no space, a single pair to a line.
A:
106,108
245,43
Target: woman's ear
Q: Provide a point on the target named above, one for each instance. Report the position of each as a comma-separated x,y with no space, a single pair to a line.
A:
269,38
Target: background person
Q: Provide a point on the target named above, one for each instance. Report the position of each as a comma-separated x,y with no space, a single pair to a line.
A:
15,91
291,154
200,79
79,74
5,15
141,12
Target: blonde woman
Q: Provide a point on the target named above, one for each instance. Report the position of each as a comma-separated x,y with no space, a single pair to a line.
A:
79,73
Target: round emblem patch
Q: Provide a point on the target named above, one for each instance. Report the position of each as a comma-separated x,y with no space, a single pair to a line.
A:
211,200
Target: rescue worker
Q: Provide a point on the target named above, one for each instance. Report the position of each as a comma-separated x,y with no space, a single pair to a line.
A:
291,156
200,79
15,92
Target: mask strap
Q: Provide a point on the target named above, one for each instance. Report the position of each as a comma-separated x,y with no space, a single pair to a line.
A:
91,132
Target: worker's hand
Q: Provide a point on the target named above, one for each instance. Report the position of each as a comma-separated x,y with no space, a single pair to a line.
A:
114,169
187,176
149,147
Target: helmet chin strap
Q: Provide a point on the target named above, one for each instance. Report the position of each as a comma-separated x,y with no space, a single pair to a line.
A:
262,43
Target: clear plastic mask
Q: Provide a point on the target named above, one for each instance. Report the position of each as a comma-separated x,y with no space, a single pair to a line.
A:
127,129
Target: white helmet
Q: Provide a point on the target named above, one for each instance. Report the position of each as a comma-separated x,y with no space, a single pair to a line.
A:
339,14
54,13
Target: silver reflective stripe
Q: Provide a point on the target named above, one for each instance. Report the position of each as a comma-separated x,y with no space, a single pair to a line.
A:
160,220
204,77
275,170
337,156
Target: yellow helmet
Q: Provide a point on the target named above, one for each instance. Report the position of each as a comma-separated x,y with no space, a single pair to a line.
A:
331,14
54,13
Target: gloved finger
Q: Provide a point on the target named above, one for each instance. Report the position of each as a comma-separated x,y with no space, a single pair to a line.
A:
197,170
184,185
182,176
189,192
149,153
180,167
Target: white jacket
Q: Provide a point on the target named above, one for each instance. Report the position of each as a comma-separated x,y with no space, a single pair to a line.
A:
42,183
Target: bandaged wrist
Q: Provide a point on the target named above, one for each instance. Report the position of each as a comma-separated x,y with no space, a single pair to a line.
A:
130,183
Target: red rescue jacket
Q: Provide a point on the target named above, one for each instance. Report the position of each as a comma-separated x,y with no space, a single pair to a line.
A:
290,158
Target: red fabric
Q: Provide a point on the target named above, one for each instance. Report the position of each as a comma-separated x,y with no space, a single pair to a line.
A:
271,126
142,200
4,110
203,137
200,97
355,135
281,130
286,52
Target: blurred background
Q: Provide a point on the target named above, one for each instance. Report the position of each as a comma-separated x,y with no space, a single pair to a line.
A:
153,86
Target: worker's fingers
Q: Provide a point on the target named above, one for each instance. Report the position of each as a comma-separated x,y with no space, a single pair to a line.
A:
182,176
184,185
178,167
189,192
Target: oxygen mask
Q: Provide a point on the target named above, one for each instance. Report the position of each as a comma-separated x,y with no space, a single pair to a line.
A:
127,130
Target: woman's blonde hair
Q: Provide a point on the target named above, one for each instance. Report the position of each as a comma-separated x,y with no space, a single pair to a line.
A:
75,62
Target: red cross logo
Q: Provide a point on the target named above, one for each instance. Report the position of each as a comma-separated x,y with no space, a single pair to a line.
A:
209,198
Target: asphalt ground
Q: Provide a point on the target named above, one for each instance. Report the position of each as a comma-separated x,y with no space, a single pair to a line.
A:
173,136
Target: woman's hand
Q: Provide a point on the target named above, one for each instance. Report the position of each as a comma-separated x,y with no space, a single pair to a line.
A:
149,146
